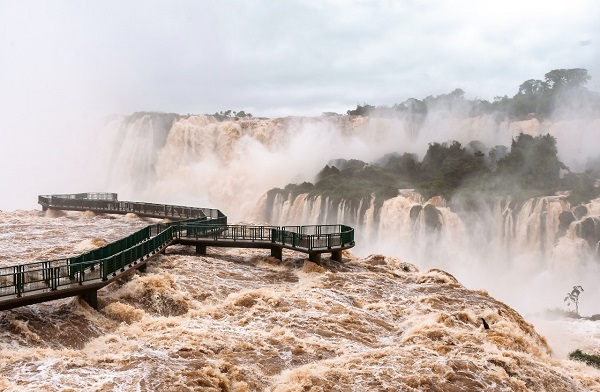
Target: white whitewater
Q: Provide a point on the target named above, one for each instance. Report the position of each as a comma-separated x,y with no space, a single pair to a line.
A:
231,164
237,320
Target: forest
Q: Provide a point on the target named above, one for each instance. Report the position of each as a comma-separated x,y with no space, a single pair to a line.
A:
561,88
529,167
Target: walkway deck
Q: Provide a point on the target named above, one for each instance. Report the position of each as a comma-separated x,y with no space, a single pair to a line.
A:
84,274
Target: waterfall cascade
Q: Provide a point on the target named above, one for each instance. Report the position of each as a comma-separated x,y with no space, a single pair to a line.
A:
533,228
199,160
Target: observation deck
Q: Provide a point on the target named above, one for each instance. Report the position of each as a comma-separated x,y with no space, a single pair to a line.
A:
85,274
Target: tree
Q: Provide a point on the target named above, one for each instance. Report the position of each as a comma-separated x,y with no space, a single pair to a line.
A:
363,110
567,78
532,87
457,93
573,296
534,161
445,167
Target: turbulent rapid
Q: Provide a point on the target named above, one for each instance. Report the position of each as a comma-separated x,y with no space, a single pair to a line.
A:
403,311
239,320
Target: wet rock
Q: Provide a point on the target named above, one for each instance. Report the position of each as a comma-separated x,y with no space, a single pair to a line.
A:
433,217
580,211
414,212
589,230
564,220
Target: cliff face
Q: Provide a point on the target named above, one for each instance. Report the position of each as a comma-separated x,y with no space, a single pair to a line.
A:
535,226
234,162
232,165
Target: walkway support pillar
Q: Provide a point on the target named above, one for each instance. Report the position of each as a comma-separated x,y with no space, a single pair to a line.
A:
277,253
315,257
200,249
91,297
336,255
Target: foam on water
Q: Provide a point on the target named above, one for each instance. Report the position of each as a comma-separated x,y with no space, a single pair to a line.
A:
237,320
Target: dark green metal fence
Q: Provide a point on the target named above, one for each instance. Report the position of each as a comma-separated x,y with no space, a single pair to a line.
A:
108,203
110,260
99,264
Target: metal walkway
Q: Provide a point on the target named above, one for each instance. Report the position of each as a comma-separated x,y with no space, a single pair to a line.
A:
85,274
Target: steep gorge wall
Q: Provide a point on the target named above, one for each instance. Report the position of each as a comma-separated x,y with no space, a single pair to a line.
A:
515,251
232,164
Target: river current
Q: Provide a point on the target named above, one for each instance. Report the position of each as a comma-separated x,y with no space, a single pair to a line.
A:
239,320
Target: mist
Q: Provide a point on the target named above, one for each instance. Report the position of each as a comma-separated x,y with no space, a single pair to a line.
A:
116,97
231,165
67,67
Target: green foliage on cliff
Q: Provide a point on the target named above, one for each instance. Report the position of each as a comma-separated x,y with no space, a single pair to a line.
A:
529,168
227,114
352,182
363,110
534,98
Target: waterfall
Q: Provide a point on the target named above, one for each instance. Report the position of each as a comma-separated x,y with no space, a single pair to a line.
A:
136,141
419,229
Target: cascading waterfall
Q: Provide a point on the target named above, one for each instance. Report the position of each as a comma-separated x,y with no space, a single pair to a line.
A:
198,160
411,227
236,165
136,141
533,228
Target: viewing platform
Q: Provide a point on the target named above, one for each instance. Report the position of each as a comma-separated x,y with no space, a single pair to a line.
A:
85,274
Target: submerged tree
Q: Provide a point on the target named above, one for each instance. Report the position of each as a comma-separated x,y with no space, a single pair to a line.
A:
573,296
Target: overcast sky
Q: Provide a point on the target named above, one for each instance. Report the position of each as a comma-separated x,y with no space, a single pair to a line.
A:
283,57
66,64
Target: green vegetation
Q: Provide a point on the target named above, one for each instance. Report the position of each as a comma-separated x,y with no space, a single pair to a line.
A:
224,115
352,182
474,173
534,98
363,110
592,360
529,168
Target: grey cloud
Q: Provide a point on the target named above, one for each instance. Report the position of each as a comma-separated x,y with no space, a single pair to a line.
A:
64,64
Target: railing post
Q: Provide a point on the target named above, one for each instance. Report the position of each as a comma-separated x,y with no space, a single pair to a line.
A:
81,273
46,272
17,279
104,268
55,276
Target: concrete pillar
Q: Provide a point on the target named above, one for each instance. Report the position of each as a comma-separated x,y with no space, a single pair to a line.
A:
91,297
277,252
336,255
315,257
142,268
201,249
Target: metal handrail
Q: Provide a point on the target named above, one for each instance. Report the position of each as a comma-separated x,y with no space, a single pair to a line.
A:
111,259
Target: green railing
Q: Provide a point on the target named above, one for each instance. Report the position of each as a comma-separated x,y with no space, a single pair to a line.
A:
100,264
193,230
314,237
108,261
108,202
